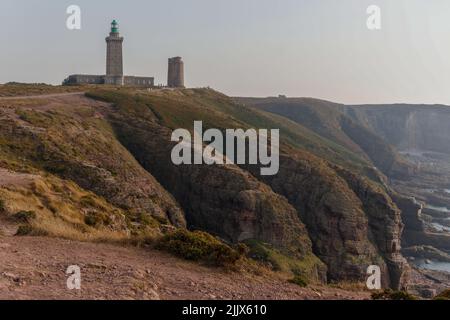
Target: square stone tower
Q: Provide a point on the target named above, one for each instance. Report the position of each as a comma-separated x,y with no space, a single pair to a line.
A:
175,78
114,58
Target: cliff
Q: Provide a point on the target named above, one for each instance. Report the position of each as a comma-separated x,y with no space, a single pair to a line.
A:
317,217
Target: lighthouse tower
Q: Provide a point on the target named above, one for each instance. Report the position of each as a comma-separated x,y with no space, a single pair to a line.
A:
114,59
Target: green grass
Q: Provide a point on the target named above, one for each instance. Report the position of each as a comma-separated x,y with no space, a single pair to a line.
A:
299,280
198,246
265,253
12,89
181,108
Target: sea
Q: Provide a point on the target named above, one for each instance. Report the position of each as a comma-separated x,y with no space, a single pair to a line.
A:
430,264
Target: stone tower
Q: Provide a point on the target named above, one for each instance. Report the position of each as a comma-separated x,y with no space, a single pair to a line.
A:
175,77
114,59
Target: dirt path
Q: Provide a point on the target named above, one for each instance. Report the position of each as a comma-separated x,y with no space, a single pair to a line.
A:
34,268
43,96
10,178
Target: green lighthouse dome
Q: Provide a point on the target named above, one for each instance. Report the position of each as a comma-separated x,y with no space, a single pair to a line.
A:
114,26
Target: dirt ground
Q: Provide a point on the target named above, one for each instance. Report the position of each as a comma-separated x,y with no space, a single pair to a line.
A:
35,268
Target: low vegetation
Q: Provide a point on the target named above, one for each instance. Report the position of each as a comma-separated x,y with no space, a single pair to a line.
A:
199,246
389,294
444,295
303,270
12,89
299,280
54,207
25,216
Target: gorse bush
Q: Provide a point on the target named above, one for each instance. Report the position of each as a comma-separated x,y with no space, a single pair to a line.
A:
24,216
299,280
29,230
444,295
389,294
97,219
198,246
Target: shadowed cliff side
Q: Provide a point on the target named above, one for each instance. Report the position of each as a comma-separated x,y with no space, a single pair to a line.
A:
337,221
223,200
328,120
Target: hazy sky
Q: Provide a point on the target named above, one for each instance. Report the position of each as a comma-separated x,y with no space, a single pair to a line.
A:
316,48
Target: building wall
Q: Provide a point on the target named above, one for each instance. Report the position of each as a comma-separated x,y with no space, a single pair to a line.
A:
84,79
114,80
175,76
139,81
114,58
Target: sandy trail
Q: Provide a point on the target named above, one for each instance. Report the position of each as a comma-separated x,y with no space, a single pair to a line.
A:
43,96
10,178
34,268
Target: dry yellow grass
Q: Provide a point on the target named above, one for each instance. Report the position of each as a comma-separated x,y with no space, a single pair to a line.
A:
61,208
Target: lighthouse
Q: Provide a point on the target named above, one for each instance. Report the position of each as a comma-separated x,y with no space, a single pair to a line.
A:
114,67
114,58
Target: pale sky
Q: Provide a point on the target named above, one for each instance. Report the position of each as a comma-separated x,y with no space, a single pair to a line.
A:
314,48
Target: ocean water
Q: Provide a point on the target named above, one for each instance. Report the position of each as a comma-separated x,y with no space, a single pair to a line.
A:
441,209
434,265
440,227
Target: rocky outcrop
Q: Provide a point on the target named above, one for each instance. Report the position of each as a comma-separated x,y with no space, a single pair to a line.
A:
382,154
385,225
223,200
412,218
415,233
426,252
337,223
73,146
337,123
340,215
407,127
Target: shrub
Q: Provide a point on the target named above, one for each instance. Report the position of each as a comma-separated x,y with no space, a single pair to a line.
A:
96,219
24,230
198,246
299,280
444,295
25,216
29,230
389,294
161,220
2,205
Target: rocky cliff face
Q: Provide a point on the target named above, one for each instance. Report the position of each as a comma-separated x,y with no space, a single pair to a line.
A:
76,143
120,151
416,233
223,200
352,224
385,225
407,127
336,123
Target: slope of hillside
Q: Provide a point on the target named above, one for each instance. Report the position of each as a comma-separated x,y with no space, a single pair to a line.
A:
409,143
334,214
407,127
69,138
328,120
110,150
